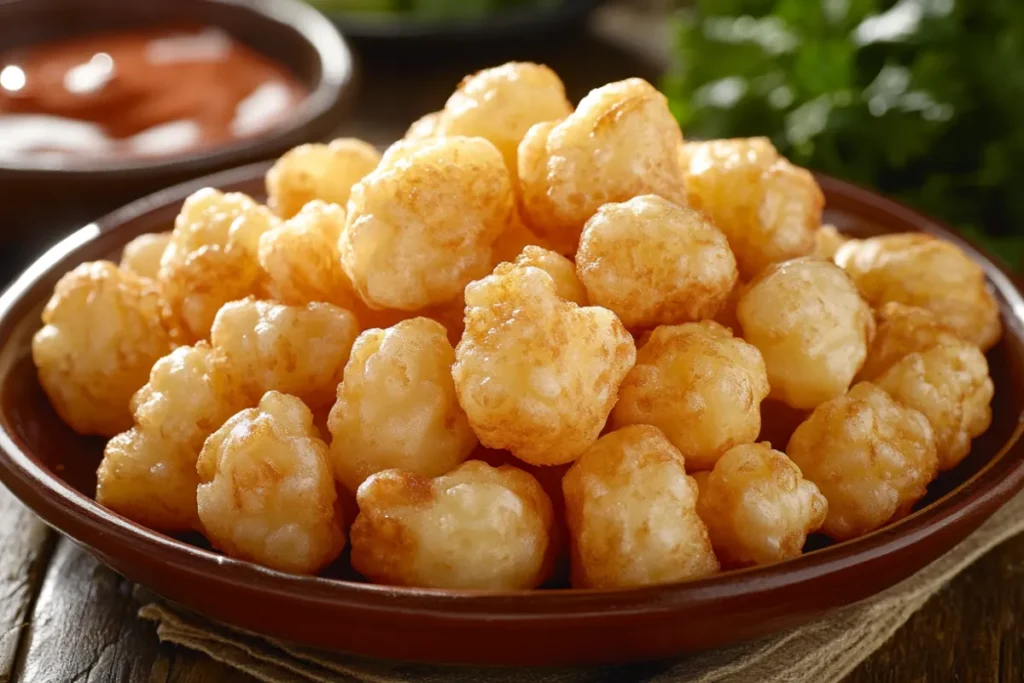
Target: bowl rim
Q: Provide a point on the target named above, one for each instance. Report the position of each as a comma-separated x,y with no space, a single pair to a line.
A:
319,107
94,526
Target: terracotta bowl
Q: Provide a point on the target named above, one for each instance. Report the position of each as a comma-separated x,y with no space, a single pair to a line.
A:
52,471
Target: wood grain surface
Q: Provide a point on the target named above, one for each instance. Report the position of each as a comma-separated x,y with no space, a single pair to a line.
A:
65,618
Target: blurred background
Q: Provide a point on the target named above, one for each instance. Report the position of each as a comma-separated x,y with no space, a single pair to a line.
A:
920,99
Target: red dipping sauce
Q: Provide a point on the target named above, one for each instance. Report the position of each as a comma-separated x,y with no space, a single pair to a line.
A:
147,93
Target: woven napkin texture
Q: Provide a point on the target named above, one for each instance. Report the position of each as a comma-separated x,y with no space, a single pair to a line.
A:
821,652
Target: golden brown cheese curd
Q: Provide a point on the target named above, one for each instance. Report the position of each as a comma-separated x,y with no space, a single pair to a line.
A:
477,527
920,270
632,517
949,384
397,407
424,127
301,257
827,241
870,456
318,171
500,104
654,263
811,326
516,237
758,507
422,227
537,375
620,143
148,473
142,255
101,334
902,330
768,208
266,490
203,267
297,350
561,270
698,384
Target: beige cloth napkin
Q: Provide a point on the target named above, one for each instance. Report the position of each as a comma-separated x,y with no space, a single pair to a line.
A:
822,652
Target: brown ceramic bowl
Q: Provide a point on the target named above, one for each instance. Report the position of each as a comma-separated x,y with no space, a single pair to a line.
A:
52,471
44,198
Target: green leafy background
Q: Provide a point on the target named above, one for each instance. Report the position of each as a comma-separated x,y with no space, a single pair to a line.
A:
922,99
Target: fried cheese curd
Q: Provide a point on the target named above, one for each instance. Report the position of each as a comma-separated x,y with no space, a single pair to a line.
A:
266,490
148,473
536,374
950,384
758,507
653,263
421,227
477,527
142,255
698,384
924,271
902,330
502,103
424,127
620,143
209,260
561,270
318,171
301,257
297,350
768,208
101,335
869,455
827,241
631,512
810,325
396,406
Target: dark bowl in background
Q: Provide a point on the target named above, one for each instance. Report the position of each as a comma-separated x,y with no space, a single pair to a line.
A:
401,30
43,200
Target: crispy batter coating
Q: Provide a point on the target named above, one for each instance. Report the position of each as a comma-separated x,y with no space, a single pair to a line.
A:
632,514
421,228
620,143
397,407
921,270
101,334
204,267
424,127
302,260
501,103
951,386
477,527
902,330
317,171
148,473
768,208
537,375
871,457
698,384
297,350
811,326
827,241
561,270
142,255
655,263
266,491
758,507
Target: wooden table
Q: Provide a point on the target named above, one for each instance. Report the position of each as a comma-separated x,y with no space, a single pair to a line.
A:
64,618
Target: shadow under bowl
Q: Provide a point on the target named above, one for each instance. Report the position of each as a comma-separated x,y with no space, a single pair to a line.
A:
52,470
45,197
